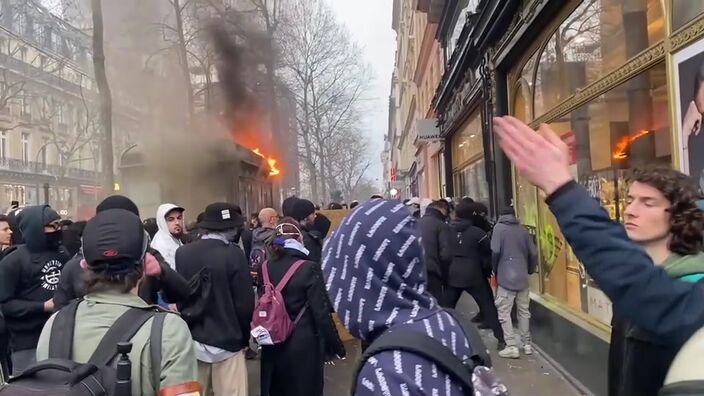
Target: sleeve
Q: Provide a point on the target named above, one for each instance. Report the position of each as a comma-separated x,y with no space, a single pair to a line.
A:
625,273
444,245
174,286
10,278
247,244
178,356
242,291
43,344
65,291
320,307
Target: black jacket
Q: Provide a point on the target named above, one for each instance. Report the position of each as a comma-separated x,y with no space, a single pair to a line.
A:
225,292
472,252
28,278
314,338
313,241
173,285
669,309
437,242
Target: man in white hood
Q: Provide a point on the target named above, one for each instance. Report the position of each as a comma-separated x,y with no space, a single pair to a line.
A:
169,219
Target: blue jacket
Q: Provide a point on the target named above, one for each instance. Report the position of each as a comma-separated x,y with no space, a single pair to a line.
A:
644,293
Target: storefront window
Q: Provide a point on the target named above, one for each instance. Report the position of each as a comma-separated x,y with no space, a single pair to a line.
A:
598,37
470,181
625,128
467,143
684,11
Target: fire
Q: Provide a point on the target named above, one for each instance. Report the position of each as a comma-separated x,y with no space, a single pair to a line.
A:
273,170
625,142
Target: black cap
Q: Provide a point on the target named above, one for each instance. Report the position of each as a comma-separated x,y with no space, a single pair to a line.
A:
302,208
221,216
114,242
287,206
117,202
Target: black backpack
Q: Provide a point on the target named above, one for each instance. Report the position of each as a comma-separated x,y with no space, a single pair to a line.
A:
61,376
429,348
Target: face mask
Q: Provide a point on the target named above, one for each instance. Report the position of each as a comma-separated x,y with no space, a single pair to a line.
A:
53,239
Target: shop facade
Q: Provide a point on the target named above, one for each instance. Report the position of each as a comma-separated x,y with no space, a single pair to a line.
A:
620,81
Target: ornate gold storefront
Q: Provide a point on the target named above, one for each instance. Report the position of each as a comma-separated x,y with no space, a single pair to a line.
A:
603,76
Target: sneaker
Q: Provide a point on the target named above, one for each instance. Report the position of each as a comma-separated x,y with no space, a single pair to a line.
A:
528,349
511,352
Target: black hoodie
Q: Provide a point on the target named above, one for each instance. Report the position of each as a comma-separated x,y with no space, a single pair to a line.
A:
29,276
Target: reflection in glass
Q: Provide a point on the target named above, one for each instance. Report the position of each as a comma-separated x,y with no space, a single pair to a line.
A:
684,11
598,37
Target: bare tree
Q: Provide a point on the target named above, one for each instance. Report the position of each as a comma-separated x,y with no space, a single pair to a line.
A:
328,80
349,166
105,96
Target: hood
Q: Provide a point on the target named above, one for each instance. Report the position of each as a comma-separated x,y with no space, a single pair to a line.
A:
263,235
32,223
508,219
460,225
374,269
163,241
678,266
432,212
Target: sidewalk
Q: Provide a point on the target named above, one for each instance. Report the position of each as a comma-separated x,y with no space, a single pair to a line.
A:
528,376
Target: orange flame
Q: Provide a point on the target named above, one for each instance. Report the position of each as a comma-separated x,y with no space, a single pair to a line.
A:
273,170
623,144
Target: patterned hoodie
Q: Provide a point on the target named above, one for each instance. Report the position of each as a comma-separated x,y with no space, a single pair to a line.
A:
376,279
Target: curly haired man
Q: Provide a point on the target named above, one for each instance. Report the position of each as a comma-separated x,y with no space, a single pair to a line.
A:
661,216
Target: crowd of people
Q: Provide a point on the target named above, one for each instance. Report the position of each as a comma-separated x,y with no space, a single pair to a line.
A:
196,301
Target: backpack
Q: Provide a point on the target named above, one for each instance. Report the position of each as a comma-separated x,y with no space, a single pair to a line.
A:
61,376
257,257
406,340
271,323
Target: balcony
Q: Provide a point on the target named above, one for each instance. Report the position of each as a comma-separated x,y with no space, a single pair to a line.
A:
31,167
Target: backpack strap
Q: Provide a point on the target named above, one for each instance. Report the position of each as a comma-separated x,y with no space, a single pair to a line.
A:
265,272
124,328
419,344
62,329
289,274
155,348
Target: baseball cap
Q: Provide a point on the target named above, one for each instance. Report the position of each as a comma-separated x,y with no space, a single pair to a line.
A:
114,242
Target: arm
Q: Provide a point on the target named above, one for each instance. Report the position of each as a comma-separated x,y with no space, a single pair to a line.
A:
242,292
70,275
174,286
178,357
444,245
320,308
625,273
10,278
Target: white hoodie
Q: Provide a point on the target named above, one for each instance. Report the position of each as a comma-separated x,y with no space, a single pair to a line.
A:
163,241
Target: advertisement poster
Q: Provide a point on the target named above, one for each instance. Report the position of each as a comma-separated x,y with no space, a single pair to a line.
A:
689,74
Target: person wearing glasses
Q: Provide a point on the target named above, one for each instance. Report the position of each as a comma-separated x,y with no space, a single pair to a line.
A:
29,276
295,367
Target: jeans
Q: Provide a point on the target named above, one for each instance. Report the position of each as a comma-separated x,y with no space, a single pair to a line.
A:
504,304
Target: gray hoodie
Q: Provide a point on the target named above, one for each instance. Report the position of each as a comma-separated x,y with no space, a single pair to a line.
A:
514,254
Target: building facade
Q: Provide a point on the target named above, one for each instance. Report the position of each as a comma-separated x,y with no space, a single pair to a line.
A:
618,80
415,151
49,128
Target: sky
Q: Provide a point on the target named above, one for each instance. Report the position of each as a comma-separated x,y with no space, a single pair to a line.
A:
369,22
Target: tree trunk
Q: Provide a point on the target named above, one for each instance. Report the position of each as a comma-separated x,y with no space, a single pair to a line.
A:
101,79
313,174
183,61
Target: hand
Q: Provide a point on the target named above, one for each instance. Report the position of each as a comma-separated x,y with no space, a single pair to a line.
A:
542,158
49,305
151,266
692,121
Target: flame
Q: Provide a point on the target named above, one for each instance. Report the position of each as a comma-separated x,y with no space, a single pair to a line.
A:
623,144
273,170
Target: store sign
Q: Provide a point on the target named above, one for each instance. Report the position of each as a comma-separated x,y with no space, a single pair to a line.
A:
428,130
